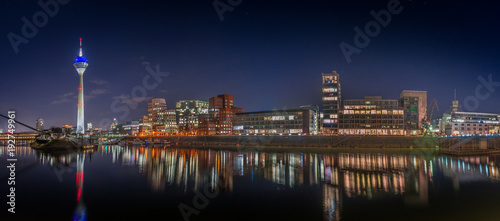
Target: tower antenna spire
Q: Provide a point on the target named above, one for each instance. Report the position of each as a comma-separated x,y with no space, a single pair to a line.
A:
81,53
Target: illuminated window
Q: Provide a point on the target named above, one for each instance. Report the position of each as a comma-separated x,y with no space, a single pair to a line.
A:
327,90
384,111
329,98
278,118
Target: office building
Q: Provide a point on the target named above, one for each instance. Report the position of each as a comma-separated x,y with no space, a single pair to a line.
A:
39,124
170,122
331,102
315,127
187,114
218,121
371,116
295,121
89,126
113,124
415,110
144,126
68,128
469,123
156,111
130,128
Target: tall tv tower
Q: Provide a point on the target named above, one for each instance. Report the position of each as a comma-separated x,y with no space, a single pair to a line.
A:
80,65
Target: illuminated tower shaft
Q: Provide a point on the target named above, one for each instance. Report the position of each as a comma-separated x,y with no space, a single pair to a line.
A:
80,118
80,65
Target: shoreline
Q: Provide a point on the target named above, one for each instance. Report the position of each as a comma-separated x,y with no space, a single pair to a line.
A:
333,142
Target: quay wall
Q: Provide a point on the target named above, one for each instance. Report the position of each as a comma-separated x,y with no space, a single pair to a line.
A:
328,141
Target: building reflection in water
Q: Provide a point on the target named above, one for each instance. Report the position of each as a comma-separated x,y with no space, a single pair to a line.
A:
338,174
23,149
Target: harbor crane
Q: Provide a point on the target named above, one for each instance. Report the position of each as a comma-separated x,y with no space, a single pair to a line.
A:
427,121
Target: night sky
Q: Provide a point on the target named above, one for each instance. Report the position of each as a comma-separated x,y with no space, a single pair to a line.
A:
268,54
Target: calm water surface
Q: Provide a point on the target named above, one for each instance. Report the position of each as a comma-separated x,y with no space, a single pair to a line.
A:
146,183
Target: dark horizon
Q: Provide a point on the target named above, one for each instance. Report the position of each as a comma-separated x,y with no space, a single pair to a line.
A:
269,55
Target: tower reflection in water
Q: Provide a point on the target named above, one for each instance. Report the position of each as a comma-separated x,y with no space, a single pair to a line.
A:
81,210
63,163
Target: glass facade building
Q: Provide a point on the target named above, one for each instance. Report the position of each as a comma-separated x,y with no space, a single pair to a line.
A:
187,113
371,116
296,121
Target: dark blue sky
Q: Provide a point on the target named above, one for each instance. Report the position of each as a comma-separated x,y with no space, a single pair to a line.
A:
268,54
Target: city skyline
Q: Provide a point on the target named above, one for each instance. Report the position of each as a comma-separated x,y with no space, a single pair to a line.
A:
232,57
255,110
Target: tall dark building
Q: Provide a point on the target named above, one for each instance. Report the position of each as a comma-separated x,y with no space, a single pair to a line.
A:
331,102
415,107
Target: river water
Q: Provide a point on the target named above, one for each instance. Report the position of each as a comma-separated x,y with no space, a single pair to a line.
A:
165,183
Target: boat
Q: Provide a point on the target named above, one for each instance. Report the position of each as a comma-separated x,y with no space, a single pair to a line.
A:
49,144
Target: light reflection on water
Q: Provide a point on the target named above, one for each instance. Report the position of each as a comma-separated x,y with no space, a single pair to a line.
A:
341,176
355,174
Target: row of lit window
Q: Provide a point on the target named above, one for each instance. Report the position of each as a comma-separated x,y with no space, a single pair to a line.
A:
329,121
400,112
371,132
347,107
373,117
272,123
368,126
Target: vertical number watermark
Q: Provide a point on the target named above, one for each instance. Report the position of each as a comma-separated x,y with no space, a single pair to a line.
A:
11,161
